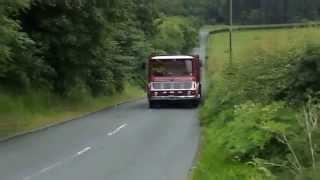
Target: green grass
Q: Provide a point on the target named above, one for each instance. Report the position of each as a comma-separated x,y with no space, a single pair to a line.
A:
213,162
37,109
246,42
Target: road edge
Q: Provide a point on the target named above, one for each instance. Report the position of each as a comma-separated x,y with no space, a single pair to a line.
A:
24,133
203,41
196,156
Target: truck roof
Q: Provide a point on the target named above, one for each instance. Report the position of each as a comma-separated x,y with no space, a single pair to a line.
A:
171,57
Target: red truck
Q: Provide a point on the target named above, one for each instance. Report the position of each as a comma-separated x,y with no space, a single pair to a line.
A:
174,78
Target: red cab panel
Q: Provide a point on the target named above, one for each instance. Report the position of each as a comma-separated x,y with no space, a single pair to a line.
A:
174,78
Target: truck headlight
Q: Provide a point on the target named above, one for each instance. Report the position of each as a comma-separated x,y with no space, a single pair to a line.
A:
194,85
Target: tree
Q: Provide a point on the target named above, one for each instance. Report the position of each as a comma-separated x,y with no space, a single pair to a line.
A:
20,67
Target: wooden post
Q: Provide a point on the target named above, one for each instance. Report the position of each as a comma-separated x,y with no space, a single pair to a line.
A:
230,31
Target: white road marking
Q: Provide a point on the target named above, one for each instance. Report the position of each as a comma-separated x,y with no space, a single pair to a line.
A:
117,130
84,151
57,164
44,170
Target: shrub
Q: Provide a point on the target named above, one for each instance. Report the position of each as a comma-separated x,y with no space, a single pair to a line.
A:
307,73
252,129
255,106
288,74
176,35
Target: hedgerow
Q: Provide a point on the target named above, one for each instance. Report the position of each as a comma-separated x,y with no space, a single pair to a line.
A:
265,109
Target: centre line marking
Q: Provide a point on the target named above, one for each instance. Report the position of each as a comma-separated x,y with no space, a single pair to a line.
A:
44,170
84,151
117,129
57,164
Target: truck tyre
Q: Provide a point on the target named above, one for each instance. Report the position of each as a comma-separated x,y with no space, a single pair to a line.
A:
152,104
195,103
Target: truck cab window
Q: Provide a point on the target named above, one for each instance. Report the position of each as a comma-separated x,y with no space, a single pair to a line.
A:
171,68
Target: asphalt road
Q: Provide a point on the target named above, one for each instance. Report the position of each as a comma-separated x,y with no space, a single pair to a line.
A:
129,142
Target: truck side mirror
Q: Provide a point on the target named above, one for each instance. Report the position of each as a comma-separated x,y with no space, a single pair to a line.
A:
144,66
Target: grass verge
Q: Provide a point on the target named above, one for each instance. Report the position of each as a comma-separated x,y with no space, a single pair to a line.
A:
215,161
34,110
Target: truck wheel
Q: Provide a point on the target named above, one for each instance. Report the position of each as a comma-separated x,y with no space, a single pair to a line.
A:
195,103
152,104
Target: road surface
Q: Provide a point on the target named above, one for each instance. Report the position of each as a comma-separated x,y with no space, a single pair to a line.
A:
129,142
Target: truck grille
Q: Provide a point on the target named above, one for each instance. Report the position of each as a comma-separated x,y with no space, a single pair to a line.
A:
171,85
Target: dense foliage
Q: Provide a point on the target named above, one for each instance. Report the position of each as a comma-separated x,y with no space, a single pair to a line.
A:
84,46
176,34
276,11
88,44
265,109
246,11
18,63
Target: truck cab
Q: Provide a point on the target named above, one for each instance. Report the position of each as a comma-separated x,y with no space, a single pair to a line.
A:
174,78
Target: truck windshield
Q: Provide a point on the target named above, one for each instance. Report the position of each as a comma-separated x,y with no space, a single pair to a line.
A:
171,67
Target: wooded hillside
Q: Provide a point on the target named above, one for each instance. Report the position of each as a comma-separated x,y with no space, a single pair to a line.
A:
246,11
61,45
94,46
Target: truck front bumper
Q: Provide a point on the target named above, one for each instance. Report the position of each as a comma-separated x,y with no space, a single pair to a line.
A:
174,98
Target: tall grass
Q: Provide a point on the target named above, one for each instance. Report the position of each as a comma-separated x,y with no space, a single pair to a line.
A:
19,113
